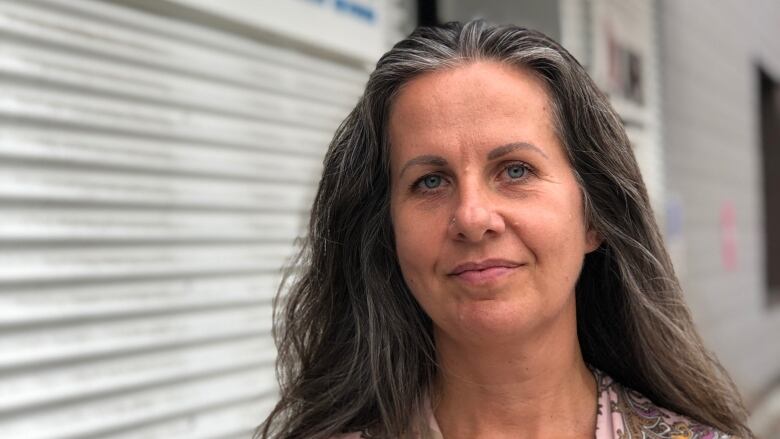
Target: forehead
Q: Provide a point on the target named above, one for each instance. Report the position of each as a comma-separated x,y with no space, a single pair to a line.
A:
480,103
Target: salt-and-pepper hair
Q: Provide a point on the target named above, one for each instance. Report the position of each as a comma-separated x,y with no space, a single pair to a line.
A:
356,351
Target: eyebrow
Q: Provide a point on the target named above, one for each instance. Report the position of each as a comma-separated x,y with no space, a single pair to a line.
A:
432,160
435,160
509,147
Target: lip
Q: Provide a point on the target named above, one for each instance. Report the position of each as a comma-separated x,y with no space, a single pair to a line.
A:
483,265
483,271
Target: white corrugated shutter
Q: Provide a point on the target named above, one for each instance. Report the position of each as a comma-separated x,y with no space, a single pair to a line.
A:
153,174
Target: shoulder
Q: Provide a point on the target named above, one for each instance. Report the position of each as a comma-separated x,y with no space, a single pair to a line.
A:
627,413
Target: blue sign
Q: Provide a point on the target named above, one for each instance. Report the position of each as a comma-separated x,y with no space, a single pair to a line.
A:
353,8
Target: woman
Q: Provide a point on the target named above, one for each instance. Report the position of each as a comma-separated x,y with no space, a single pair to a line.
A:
483,261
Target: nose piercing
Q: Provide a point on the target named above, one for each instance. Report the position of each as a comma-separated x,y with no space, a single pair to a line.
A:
452,221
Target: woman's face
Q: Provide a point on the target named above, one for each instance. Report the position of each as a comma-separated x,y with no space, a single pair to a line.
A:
488,217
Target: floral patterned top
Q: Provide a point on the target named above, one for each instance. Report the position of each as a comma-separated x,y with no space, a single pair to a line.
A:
625,414
622,414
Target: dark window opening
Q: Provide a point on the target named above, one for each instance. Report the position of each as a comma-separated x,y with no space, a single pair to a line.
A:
427,13
770,152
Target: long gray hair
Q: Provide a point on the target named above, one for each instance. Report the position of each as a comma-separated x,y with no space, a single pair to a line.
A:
356,352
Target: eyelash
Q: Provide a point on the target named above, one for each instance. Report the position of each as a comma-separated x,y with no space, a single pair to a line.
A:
417,186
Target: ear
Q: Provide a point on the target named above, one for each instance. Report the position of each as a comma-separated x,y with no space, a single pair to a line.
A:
592,240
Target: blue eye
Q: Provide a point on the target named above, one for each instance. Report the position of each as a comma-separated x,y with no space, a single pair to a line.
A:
431,181
516,171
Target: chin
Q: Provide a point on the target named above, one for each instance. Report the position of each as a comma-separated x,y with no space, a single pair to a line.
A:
495,320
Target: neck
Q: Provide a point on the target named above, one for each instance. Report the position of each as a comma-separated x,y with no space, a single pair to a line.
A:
535,387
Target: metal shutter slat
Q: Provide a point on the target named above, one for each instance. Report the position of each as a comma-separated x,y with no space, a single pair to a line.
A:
110,376
211,424
35,347
137,408
86,263
38,305
160,158
105,226
32,182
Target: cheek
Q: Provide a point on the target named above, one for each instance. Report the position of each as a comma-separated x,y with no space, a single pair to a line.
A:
556,235
416,247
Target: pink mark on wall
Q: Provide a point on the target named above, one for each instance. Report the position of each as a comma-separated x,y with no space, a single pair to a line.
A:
728,235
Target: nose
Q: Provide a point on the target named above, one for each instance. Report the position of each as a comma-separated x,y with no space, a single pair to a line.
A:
475,217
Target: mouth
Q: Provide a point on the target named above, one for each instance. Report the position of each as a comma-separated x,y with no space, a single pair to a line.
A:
483,272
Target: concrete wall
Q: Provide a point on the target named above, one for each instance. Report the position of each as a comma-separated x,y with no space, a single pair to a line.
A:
535,14
710,103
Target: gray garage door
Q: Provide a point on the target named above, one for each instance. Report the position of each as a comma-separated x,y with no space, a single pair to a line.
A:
153,174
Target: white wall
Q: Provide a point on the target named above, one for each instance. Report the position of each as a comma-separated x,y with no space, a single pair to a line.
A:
710,113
